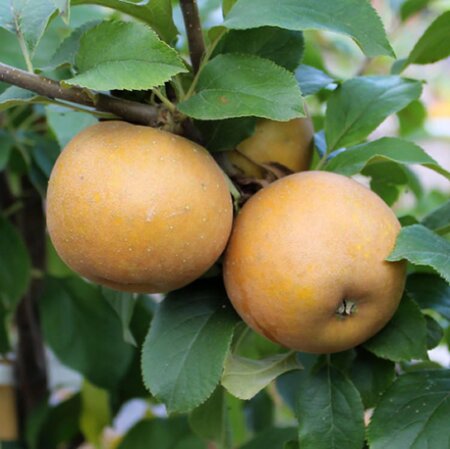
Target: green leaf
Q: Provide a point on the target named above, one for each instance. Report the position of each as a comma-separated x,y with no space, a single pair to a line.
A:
66,52
273,438
15,266
227,5
371,376
184,352
14,96
83,331
244,377
312,80
135,59
360,104
161,434
439,219
355,19
5,344
6,145
430,292
404,337
421,246
123,304
283,47
330,411
226,134
260,412
240,86
41,431
386,177
354,159
435,333
209,419
155,13
434,44
413,414
412,118
96,413
411,7
66,124
25,20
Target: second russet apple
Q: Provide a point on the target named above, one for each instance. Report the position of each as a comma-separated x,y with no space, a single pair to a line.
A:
305,265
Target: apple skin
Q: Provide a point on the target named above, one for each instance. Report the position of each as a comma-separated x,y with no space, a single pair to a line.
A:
136,208
305,265
289,144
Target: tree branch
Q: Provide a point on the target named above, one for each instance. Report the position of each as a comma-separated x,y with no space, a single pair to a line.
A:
131,111
194,32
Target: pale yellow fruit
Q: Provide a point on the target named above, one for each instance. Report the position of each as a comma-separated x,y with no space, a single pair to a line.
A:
136,208
289,144
305,265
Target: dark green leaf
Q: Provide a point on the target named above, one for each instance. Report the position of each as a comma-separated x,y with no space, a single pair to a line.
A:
430,292
410,7
435,333
184,352
413,414
45,153
5,344
209,419
421,246
226,134
155,13
274,438
241,86
6,144
283,47
353,160
134,60
312,80
66,124
244,377
260,412
56,424
159,433
439,219
83,331
330,411
404,337
412,118
15,266
360,104
123,304
434,44
355,19
386,177
371,376
131,385
407,220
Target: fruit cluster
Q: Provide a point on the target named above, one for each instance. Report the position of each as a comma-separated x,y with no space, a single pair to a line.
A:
142,210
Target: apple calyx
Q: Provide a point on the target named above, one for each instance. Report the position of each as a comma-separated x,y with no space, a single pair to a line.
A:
346,308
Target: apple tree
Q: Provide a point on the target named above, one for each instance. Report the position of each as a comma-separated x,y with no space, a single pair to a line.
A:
77,358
